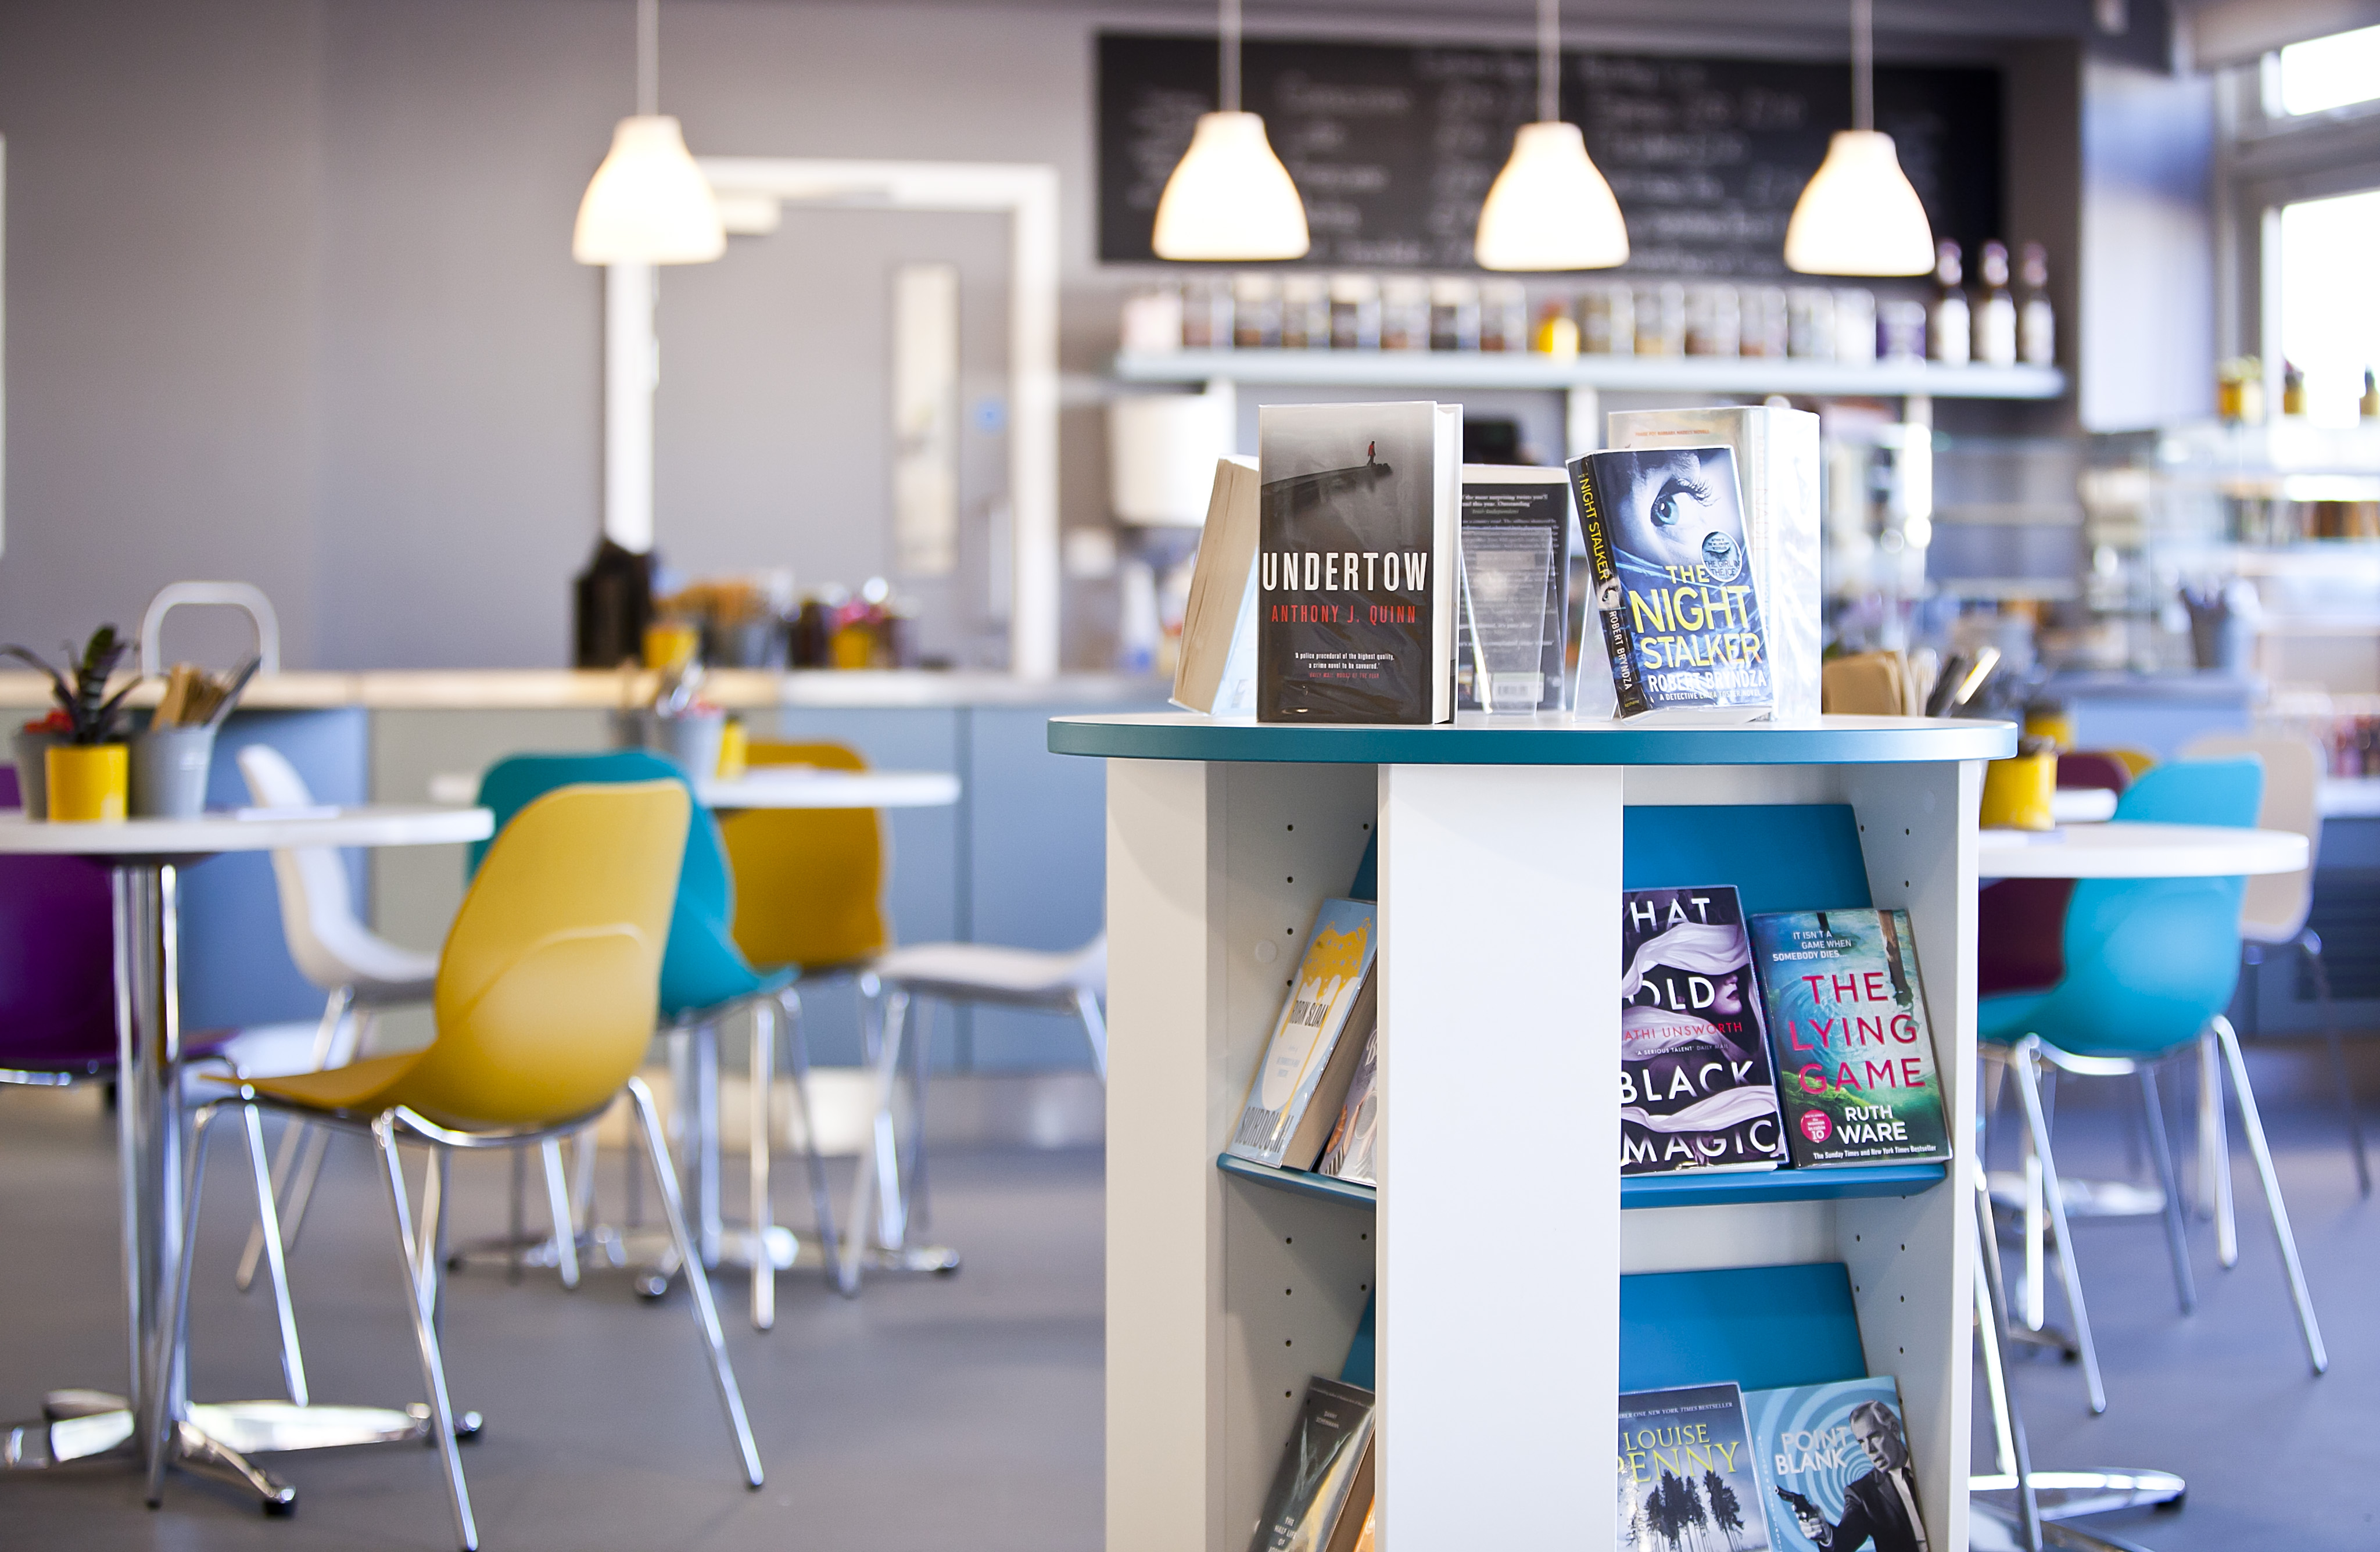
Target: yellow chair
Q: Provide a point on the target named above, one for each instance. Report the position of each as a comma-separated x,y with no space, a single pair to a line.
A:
810,882
546,998
2135,760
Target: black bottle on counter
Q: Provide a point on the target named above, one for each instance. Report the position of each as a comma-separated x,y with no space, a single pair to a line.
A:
613,603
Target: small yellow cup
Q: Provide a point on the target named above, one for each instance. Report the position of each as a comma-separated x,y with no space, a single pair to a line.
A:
671,644
2016,791
88,782
735,750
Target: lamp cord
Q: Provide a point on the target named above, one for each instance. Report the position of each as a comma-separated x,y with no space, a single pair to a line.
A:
1228,27
1863,64
649,57
1549,60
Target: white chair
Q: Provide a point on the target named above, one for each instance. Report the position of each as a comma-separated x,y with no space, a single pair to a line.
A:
1070,984
2273,915
361,973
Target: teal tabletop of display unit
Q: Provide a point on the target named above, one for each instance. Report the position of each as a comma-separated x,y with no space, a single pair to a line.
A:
1477,738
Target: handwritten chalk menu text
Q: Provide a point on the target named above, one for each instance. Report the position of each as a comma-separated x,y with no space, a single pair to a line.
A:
1394,146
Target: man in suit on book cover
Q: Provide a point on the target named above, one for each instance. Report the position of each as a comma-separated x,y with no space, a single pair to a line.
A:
1881,1507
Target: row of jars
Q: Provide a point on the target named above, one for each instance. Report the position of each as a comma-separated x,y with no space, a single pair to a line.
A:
1263,311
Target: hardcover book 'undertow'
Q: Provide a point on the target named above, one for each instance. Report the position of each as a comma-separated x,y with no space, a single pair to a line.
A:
1834,1467
1695,1085
1855,1067
1686,1477
1675,602
1356,565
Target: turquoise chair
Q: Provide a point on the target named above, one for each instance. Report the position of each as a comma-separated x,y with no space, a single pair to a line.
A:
2150,967
705,977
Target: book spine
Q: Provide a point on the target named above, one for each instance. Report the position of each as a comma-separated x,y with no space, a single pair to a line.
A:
1627,682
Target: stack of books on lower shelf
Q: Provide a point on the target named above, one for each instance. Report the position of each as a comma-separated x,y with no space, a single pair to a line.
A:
1785,1041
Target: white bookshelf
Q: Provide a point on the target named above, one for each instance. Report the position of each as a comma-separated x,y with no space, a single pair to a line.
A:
1498,1237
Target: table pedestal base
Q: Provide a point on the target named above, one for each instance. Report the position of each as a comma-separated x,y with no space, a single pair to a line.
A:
215,1439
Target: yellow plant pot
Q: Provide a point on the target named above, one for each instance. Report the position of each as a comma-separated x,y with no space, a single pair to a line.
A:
2016,793
86,782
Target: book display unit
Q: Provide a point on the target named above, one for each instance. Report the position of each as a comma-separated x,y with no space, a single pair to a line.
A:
1521,1287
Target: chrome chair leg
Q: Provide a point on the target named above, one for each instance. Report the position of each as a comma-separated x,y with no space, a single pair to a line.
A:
420,1300
2176,1235
2026,1059
268,1216
295,1131
797,1067
914,1212
2215,1152
879,1169
756,1148
1095,1027
706,1314
2310,946
557,1201
161,1424
2253,1125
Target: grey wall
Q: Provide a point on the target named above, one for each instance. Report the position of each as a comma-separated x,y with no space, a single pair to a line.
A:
290,296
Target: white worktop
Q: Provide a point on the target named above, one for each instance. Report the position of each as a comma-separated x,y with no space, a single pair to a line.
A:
557,689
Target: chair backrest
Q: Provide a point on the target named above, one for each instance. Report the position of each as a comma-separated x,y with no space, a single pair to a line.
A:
2149,960
318,912
2092,768
2275,908
703,967
548,983
57,965
810,882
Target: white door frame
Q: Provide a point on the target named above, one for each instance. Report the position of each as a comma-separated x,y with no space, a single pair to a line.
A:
751,191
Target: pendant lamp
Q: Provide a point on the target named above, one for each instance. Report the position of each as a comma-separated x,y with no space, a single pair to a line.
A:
1229,198
1549,209
648,203
1858,215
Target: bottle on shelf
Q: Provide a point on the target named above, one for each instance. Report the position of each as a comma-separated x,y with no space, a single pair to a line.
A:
1900,328
2368,407
1607,320
2240,391
1995,312
1766,327
1256,311
1855,324
1404,313
1556,331
1355,313
1810,323
2037,326
1207,315
1661,318
1947,328
2293,393
1714,320
1453,313
1503,316
1305,312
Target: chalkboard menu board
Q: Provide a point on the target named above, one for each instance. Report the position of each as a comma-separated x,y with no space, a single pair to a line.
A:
1393,146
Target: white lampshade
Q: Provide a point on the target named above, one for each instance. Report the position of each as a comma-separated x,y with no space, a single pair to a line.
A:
1229,198
1859,216
1550,208
648,203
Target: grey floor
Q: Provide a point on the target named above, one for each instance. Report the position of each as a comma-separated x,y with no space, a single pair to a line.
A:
965,1413
929,1414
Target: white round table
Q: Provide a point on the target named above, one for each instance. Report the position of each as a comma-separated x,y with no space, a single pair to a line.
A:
779,786
2122,849
144,859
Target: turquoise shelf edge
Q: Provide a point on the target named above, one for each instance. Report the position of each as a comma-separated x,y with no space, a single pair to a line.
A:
1656,1190
1475,739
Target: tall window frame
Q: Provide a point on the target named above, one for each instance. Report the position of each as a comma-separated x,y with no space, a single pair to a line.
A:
2266,158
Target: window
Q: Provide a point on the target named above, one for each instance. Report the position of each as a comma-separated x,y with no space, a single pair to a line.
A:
2329,307
2328,73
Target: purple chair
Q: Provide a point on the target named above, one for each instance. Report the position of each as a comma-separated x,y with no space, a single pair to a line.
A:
57,1009
57,975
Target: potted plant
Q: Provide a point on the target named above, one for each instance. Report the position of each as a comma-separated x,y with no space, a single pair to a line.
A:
85,767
